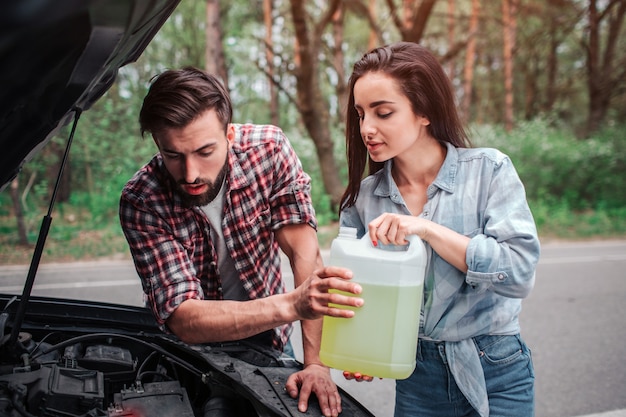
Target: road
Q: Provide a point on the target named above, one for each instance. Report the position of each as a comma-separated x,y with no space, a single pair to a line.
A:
573,321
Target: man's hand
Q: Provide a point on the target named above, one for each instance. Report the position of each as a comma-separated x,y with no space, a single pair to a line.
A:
315,378
313,296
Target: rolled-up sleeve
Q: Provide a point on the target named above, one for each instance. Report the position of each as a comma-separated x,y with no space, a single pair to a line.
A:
504,256
161,261
290,201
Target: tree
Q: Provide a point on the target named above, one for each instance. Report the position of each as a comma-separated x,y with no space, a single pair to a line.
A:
341,89
606,70
19,213
215,63
509,24
412,22
268,9
311,103
470,60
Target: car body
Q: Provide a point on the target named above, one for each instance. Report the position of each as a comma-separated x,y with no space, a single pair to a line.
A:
61,357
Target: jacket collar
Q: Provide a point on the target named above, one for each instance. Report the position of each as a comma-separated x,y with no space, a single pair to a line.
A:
445,180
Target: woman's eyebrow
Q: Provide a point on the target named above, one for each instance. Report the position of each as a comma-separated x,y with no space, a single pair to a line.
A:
379,103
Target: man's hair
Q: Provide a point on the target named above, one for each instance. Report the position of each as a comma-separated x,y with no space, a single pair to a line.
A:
177,97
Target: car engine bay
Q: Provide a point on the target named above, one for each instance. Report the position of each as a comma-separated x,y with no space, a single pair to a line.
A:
108,375
83,359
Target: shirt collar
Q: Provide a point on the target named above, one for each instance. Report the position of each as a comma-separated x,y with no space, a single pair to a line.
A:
237,177
445,180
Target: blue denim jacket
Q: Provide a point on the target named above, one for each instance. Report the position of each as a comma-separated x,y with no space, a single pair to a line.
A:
477,193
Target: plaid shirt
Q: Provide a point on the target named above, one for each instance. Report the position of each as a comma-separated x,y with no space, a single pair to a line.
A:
171,244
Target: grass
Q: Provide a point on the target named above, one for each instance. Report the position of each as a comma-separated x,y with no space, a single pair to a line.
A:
70,241
73,238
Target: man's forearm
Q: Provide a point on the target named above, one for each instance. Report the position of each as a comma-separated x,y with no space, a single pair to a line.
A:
206,321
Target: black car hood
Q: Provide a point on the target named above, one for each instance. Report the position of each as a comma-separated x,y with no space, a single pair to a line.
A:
57,56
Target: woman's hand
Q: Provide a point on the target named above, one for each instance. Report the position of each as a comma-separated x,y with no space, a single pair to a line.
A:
357,376
393,228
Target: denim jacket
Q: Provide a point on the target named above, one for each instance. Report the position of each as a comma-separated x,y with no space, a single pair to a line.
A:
477,193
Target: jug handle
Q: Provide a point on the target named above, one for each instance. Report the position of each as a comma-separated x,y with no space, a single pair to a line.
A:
414,242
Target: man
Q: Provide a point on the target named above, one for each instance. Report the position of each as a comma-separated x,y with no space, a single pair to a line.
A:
205,219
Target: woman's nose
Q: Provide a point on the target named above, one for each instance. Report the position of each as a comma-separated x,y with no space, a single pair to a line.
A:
367,128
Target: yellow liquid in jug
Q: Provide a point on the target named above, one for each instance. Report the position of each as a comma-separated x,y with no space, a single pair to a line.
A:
381,339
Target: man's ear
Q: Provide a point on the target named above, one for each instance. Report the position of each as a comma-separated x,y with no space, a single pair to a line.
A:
230,134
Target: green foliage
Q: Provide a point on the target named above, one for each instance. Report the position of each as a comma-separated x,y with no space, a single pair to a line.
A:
575,187
562,171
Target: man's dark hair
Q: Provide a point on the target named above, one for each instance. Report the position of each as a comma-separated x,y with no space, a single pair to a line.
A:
177,97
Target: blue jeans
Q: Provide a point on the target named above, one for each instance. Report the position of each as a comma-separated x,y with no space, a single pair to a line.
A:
432,392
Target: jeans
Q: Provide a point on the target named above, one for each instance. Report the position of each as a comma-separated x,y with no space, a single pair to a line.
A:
432,392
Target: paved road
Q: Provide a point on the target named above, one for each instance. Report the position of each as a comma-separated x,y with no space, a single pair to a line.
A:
574,322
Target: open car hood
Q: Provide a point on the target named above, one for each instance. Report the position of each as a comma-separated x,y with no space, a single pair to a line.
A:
65,358
60,55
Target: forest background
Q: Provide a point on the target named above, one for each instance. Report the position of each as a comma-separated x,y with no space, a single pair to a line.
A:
543,81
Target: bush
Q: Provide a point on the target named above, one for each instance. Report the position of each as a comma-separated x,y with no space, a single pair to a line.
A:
560,170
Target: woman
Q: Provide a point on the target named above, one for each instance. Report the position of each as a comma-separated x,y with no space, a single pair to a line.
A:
469,207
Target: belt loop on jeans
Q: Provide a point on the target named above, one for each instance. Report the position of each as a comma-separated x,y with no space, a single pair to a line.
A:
419,350
441,347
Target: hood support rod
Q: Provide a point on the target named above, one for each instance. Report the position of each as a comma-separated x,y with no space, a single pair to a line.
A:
41,240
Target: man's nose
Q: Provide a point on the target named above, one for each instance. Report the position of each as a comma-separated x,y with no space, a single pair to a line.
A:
190,169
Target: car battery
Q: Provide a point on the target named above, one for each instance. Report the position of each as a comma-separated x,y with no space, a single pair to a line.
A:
165,398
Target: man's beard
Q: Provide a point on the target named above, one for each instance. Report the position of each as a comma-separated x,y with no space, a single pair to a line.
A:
202,199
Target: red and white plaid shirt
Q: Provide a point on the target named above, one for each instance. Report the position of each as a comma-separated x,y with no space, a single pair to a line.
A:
171,244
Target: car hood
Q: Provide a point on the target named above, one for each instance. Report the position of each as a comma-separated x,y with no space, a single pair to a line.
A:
59,56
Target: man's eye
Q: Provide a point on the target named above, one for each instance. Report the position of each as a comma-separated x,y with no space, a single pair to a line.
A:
206,154
171,156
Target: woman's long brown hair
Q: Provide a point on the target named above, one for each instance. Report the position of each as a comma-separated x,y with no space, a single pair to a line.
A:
425,84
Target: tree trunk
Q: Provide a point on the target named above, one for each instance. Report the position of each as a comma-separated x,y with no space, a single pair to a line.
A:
341,89
215,63
509,28
604,78
470,59
312,106
19,214
553,62
412,23
372,41
451,35
57,151
268,8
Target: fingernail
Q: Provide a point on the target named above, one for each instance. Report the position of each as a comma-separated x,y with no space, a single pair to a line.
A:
346,374
375,243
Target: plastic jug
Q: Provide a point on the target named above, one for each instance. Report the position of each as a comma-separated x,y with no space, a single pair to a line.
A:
381,339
